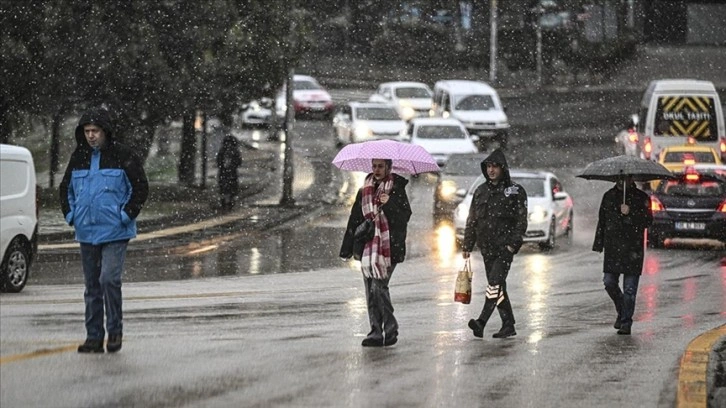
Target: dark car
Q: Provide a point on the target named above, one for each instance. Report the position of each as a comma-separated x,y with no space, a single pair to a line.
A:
455,177
691,206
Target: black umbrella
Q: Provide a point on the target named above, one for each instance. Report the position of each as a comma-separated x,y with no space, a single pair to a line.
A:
619,167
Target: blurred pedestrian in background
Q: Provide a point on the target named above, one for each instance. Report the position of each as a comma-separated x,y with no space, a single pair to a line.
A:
383,199
102,193
620,233
229,160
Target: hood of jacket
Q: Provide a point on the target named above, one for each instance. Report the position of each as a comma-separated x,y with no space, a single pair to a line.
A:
496,157
99,117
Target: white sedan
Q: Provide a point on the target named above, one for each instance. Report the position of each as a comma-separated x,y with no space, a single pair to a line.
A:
549,208
440,137
410,99
361,121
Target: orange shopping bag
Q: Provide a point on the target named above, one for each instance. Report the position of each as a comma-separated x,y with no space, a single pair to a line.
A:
462,291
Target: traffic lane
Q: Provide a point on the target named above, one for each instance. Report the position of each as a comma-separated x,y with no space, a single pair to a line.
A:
294,339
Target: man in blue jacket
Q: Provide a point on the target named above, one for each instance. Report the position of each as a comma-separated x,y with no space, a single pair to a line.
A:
102,193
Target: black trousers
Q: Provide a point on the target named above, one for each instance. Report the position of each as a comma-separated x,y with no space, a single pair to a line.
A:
497,269
380,309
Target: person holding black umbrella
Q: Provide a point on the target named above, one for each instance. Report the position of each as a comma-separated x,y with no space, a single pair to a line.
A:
623,217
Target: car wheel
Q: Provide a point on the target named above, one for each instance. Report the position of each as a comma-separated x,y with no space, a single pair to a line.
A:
550,243
15,268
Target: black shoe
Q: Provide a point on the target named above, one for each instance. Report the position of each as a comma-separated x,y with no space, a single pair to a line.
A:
624,330
504,332
477,328
114,343
372,342
617,324
91,346
390,341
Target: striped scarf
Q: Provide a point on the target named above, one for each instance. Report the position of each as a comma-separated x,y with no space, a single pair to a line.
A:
376,257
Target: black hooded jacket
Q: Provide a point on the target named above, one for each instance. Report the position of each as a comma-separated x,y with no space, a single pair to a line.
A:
498,213
114,155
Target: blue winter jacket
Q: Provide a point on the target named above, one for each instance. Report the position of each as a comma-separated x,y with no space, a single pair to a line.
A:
103,190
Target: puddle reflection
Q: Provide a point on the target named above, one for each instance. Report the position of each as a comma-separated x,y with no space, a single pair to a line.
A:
537,284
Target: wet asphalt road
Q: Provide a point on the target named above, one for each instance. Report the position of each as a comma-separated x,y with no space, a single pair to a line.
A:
273,317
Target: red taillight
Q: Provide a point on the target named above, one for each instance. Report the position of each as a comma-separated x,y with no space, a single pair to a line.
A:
692,177
655,205
722,207
722,147
647,148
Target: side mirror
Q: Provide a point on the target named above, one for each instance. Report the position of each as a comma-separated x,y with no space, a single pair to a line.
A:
474,138
266,102
560,195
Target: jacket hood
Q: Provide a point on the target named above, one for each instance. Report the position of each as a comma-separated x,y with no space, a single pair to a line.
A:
99,117
496,157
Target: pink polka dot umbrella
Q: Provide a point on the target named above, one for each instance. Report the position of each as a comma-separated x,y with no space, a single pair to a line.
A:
407,158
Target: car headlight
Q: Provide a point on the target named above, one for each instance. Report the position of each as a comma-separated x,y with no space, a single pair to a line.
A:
407,113
538,214
362,132
447,189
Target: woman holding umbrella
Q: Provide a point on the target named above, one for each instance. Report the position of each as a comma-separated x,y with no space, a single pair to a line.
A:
624,215
382,199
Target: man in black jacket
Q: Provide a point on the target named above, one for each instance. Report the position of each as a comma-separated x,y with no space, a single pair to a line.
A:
496,223
623,217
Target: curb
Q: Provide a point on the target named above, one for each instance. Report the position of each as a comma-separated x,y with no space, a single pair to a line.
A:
694,388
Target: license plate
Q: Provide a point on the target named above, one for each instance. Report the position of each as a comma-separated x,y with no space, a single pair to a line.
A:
698,226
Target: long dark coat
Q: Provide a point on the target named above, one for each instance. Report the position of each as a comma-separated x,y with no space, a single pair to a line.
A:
622,236
397,211
229,160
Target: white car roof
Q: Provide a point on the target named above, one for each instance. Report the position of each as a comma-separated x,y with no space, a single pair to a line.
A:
406,84
435,122
297,77
14,152
370,105
457,86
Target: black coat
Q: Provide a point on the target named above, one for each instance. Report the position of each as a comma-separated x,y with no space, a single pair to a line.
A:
397,211
498,213
229,160
622,236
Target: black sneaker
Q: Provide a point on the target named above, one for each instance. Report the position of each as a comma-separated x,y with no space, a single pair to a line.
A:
114,342
504,332
91,346
372,342
477,328
617,324
624,330
390,340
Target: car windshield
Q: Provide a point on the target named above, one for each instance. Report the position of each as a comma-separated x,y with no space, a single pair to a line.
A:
306,85
381,113
703,186
475,103
463,165
440,132
696,157
534,186
413,92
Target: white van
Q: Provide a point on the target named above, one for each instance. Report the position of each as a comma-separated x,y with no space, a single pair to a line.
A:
672,110
18,217
476,105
